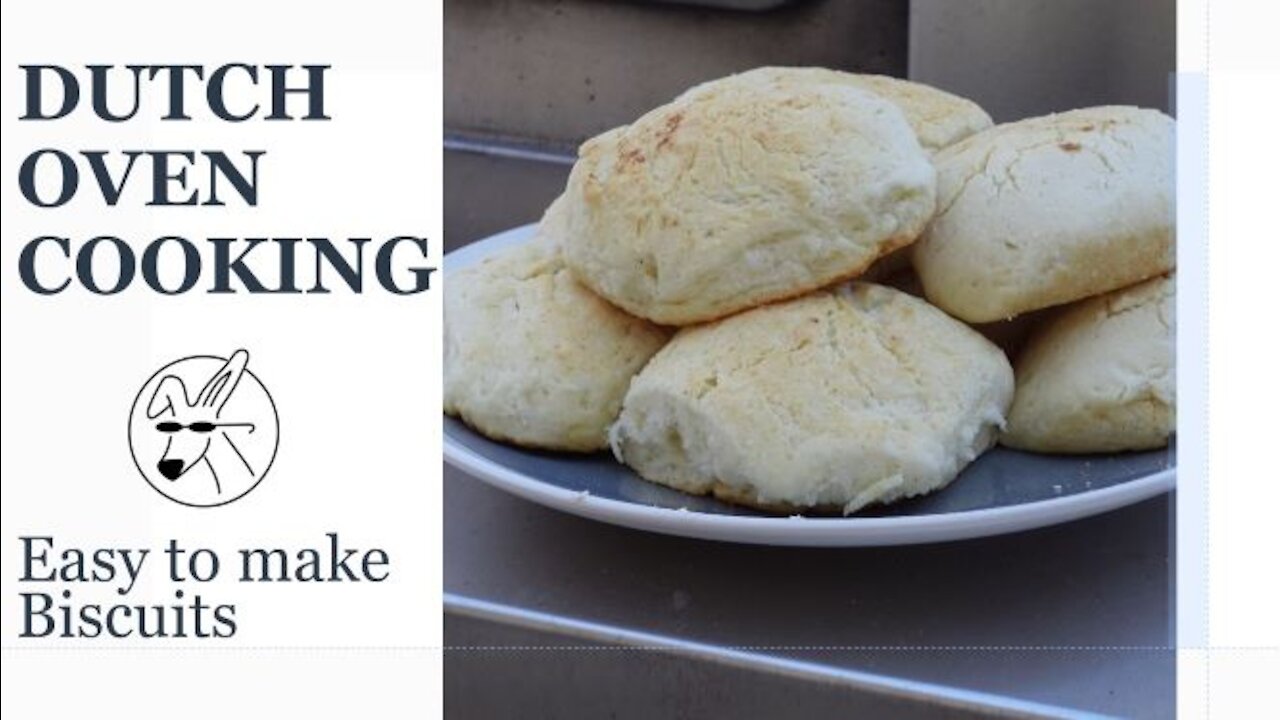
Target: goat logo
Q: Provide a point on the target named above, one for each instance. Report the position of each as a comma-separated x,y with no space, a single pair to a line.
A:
211,448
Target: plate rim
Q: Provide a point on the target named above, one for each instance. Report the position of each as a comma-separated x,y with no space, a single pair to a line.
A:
810,531
794,530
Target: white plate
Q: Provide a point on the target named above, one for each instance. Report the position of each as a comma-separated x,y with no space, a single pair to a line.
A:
1004,491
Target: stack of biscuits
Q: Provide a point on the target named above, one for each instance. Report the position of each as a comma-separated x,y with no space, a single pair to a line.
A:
700,298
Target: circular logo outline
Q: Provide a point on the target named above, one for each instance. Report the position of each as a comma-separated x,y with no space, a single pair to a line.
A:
275,449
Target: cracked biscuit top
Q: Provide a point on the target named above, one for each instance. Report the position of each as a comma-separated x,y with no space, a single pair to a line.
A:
739,193
939,118
846,397
1050,210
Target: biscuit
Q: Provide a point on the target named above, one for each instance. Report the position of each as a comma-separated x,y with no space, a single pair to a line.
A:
849,396
533,358
938,118
740,193
1050,210
1099,377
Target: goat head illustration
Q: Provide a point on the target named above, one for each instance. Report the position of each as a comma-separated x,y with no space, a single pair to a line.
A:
194,428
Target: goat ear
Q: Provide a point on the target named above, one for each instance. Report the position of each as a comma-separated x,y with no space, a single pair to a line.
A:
170,397
216,393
